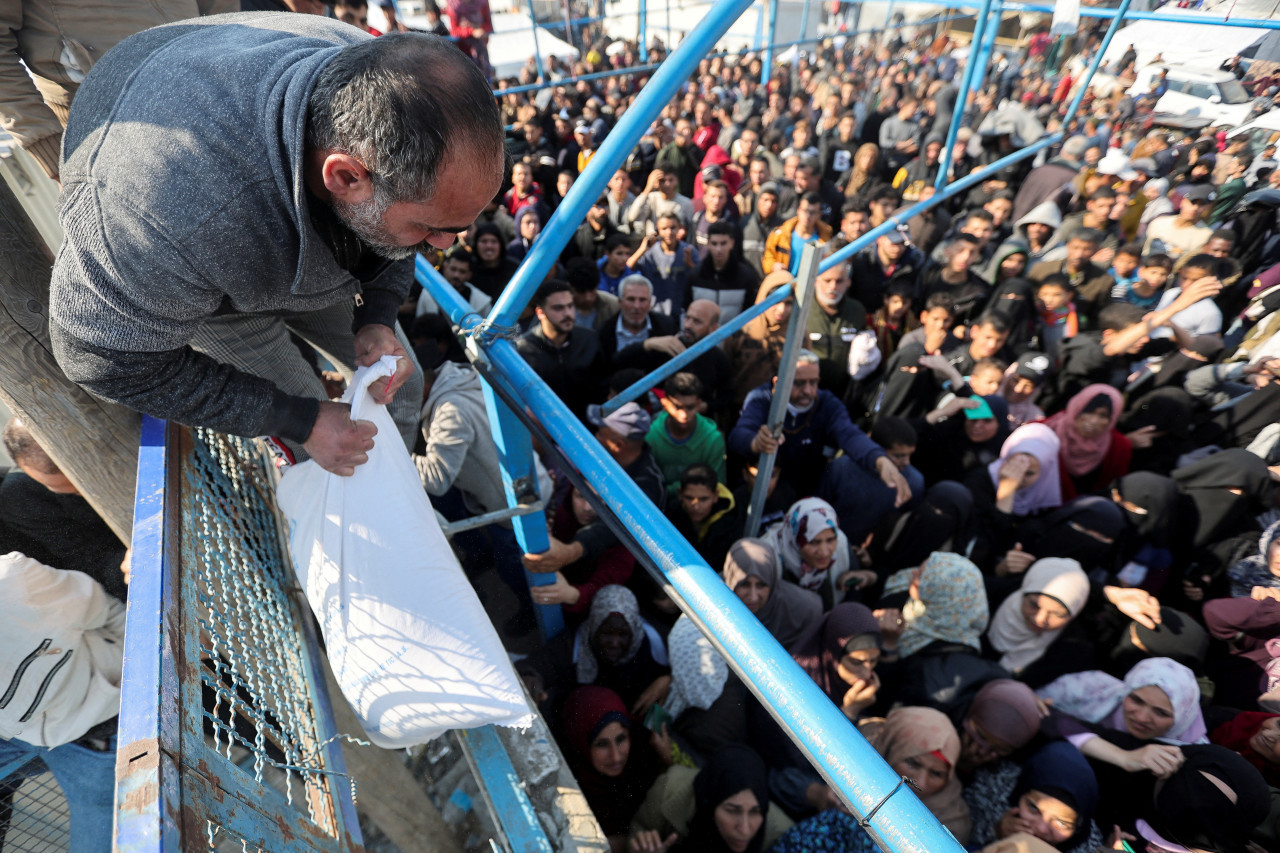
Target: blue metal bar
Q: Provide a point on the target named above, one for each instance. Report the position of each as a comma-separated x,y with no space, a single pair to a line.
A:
515,453
537,51
988,46
641,69
797,324
506,791
758,41
804,20
641,25
766,69
901,822
1096,12
888,14
147,796
610,157
962,99
654,378
1093,66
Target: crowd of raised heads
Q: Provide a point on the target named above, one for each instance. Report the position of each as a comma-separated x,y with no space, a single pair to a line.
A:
1022,522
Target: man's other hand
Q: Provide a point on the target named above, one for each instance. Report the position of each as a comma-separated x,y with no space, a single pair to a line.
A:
337,443
373,342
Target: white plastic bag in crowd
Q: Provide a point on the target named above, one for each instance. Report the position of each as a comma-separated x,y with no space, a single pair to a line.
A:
410,644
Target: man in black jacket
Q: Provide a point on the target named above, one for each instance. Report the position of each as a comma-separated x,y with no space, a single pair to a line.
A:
636,323
566,356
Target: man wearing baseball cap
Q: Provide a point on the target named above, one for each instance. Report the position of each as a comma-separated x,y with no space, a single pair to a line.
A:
1184,233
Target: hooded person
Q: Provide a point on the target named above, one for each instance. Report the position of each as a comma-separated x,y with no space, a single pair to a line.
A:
752,571
1054,592
840,653
1093,452
1014,298
813,552
718,158
1261,569
1086,530
946,601
1010,260
1023,379
1227,488
491,269
1036,229
1053,798
755,351
1150,503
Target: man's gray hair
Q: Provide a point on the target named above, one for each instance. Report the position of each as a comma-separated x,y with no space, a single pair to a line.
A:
635,280
806,356
400,103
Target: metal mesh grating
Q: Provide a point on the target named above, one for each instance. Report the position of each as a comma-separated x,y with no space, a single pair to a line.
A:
256,707
33,812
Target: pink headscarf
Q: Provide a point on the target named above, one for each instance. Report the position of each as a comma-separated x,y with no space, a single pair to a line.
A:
1081,455
1042,443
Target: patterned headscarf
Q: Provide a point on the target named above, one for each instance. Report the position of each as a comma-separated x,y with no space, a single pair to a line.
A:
698,672
952,604
609,600
803,522
1254,571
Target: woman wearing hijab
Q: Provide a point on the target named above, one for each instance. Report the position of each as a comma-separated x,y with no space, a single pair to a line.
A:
1053,797
752,571
1054,592
1227,488
707,702
969,439
1024,378
840,653
1003,717
755,351
599,745
865,173
1087,530
1093,452
614,648
722,808
1022,484
1261,569
1008,262
939,523
919,744
812,550
945,602
1157,703
1150,503
1015,300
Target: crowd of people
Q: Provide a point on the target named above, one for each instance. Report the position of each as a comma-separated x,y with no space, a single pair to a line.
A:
1022,522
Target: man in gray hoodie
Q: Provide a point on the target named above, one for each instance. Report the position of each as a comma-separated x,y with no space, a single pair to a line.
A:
226,181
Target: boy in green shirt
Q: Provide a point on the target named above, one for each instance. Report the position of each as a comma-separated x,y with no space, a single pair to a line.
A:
681,435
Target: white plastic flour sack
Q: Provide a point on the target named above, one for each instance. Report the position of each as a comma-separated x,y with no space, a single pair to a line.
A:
412,649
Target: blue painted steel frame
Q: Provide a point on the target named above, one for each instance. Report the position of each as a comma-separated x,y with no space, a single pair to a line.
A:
962,97
1095,12
855,770
516,814
147,803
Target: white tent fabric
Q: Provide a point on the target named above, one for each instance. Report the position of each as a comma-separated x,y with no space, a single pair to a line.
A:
1181,42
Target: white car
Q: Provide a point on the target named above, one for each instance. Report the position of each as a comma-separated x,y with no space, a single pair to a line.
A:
1262,130
1207,93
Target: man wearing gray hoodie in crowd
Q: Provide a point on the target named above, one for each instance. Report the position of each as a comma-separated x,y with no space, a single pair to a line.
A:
226,182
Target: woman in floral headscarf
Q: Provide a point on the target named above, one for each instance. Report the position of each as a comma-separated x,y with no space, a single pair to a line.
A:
946,601
813,551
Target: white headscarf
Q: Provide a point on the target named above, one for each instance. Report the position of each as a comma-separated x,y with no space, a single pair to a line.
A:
1062,580
698,672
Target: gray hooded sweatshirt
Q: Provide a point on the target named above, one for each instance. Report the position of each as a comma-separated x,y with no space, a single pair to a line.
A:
183,197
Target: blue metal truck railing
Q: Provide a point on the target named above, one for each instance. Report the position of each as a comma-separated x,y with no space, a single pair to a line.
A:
855,770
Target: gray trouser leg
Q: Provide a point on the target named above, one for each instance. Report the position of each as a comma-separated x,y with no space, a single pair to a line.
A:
259,344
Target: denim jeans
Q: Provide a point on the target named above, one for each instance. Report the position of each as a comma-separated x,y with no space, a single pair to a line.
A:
87,778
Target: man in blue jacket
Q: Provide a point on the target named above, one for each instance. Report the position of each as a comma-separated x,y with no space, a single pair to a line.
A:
226,181
817,424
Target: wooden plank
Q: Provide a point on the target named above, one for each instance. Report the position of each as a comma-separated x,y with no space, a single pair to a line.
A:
94,442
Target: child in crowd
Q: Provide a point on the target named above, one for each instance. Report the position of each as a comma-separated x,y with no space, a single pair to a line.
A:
1145,291
894,318
681,435
1126,263
1058,319
614,266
